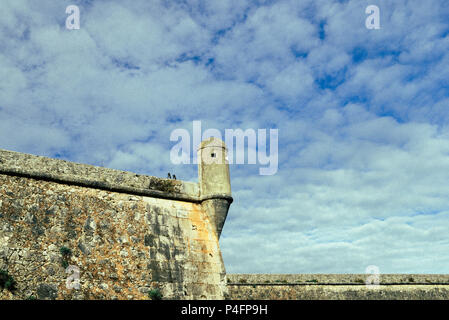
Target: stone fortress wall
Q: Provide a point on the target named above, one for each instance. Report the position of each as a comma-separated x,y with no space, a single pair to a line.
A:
337,287
128,234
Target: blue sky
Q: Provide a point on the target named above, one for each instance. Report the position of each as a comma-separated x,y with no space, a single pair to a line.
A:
362,115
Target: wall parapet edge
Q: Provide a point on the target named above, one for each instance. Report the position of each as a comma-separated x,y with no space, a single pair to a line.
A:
70,173
337,287
335,279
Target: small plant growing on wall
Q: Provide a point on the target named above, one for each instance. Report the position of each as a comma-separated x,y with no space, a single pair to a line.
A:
164,185
312,281
155,294
7,281
66,253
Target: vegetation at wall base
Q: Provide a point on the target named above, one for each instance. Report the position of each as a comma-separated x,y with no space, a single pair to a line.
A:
7,281
155,294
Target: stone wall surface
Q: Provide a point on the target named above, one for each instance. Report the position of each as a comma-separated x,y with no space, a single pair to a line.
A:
337,287
124,244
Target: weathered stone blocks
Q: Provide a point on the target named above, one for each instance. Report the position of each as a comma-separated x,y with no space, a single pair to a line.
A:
126,233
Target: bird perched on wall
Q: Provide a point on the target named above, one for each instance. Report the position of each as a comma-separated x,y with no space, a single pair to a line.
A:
169,175
174,176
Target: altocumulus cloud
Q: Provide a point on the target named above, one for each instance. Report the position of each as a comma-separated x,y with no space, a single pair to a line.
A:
362,115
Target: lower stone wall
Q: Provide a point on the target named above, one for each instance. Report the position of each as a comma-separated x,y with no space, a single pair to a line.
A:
336,287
